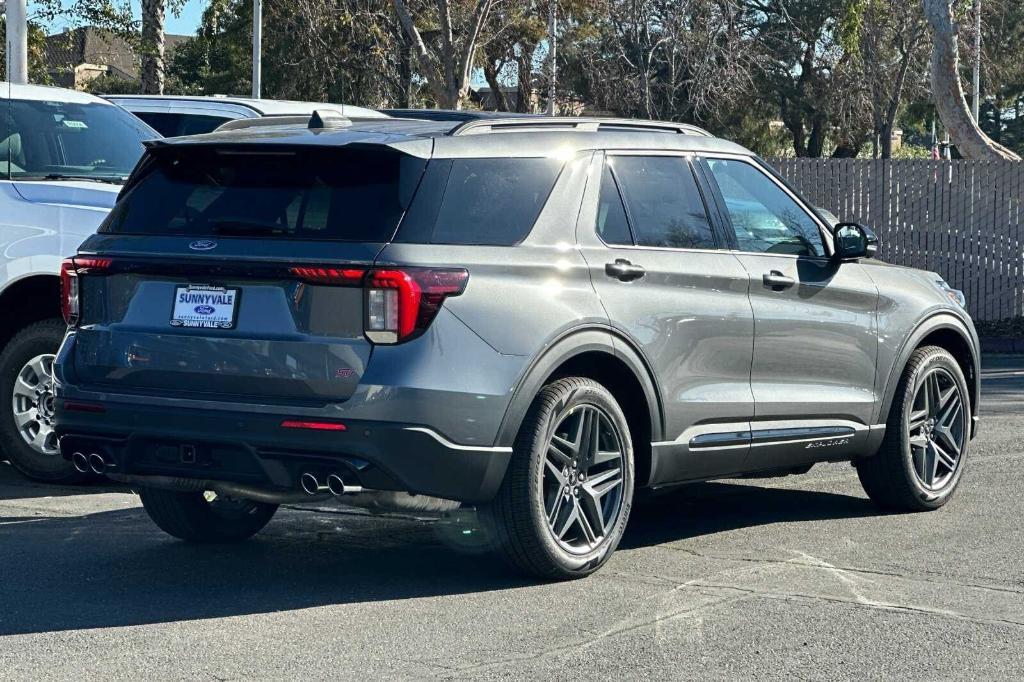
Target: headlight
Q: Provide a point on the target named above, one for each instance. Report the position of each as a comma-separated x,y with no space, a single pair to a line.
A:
954,295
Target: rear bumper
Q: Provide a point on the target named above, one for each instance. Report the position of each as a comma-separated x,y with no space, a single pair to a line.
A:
255,449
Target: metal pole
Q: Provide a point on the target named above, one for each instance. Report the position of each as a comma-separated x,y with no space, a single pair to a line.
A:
257,47
552,52
17,41
976,89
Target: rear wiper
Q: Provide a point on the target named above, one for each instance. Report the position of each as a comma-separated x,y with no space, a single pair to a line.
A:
228,226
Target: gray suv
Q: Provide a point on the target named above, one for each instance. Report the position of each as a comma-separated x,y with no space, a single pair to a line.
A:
536,317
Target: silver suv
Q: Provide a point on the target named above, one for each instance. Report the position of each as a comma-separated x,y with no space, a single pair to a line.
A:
536,317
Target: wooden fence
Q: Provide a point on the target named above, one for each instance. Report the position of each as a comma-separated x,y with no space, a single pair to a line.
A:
962,219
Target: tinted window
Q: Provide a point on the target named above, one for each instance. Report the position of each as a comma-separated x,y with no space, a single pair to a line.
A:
764,217
60,138
612,225
343,194
480,201
664,205
174,125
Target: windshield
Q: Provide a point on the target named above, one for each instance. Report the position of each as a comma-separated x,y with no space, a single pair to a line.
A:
61,140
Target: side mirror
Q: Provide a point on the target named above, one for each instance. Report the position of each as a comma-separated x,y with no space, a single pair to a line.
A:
853,241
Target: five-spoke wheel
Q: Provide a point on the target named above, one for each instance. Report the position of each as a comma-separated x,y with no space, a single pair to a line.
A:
921,458
566,497
582,478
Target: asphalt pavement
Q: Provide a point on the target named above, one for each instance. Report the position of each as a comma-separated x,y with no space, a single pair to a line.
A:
791,577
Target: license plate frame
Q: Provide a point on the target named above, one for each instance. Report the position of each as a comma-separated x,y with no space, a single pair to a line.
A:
202,306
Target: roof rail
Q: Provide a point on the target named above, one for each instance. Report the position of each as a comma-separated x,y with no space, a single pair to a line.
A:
580,123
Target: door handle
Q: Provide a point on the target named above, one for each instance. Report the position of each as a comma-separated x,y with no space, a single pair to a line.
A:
623,270
776,281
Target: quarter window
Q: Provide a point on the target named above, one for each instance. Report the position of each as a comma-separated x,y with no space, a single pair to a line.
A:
764,217
612,225
663,203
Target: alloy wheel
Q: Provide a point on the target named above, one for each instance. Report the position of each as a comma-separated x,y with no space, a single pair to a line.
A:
33,405
937,428
582,480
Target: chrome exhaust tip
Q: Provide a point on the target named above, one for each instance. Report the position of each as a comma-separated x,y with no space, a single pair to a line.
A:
337,486
97,463
311,485
80,462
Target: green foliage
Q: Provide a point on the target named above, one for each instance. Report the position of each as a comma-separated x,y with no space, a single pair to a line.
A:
37,72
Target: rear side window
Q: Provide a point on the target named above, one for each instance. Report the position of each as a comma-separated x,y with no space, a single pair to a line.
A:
174,125
327,193
492,202
665,207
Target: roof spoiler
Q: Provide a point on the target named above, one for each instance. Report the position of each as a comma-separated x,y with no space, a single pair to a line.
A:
322,119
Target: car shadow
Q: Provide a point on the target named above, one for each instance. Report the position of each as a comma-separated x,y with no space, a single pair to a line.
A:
14,486
114,568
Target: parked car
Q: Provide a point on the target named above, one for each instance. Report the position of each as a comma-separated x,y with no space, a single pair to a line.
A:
63,157
175,115
536,317
450,114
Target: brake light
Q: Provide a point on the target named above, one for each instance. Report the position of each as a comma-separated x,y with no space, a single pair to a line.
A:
70,270
401,304
313,425
335,276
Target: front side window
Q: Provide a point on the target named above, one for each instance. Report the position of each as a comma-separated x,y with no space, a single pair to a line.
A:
764,217
663,203
66,140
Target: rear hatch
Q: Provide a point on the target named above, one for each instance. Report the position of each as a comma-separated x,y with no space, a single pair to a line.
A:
237,271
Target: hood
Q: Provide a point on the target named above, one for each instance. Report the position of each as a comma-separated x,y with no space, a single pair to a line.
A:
69,193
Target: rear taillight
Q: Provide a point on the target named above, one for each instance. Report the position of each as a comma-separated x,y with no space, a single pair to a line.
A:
400,302
70,270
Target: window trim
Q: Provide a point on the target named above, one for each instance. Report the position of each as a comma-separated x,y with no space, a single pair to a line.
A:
689,159
758,165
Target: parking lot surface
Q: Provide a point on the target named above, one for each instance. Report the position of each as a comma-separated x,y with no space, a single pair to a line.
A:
786,577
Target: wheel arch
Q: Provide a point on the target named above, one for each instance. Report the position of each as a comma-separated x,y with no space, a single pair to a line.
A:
606,357
29,299
947,331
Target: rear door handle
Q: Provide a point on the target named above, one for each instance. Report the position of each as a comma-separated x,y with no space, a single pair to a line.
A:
623,270
776,281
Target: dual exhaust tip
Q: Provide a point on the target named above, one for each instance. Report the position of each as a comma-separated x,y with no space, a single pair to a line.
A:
333,484
94,462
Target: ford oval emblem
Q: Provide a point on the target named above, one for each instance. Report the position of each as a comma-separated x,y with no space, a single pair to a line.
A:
203,245
204,310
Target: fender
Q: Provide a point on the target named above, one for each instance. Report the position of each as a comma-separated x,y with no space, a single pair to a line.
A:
939,321
570,344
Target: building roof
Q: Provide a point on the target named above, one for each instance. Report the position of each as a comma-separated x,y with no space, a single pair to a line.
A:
91,45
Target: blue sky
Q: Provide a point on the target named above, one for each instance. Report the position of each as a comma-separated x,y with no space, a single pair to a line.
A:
186,23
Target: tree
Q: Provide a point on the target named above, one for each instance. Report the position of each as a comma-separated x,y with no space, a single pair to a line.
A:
948,92
446,64
683,60
153,16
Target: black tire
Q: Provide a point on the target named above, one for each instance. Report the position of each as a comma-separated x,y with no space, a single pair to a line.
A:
889,477
39,338
518,517
191,517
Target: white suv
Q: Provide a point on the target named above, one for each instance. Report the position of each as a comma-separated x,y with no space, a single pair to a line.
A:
63,158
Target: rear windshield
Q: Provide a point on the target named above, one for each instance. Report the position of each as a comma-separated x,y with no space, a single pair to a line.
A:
348,194
492,202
